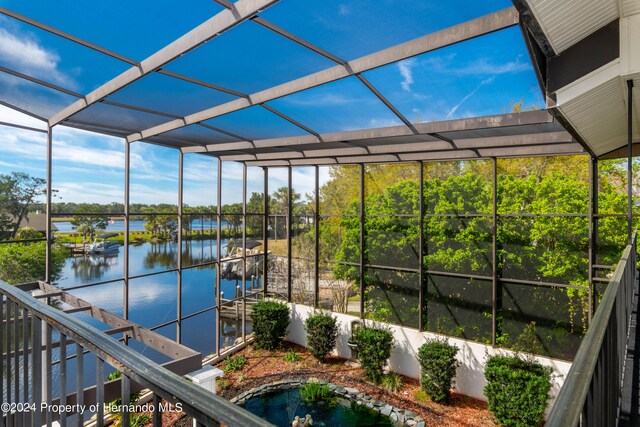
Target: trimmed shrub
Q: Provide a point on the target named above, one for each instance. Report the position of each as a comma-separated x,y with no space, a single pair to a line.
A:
270,320
517,390
374,348
438,368
322,331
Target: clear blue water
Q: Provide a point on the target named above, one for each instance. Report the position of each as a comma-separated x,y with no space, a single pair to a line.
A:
280,408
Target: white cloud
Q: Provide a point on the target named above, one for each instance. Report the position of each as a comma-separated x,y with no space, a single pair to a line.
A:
278,177
484,67
153,163
69,146
142,193
382,123
324,175
19,142
26,52
199,168
23,52
406,71
255,178
89,192
303,179
9,115
70,152
469,95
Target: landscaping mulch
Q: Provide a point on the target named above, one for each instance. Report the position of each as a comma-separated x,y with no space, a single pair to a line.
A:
265,367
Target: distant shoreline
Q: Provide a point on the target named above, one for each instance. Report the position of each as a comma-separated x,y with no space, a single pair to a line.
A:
71,218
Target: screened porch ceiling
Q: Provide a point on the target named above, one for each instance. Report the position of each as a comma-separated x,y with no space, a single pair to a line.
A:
193,84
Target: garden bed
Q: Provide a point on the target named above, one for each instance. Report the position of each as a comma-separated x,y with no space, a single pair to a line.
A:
265,367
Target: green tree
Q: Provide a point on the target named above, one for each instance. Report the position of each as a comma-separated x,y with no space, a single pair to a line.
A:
255,205
26,233
87,222
530,246
152,224
233,218
26,262
18,191
167,221
279,208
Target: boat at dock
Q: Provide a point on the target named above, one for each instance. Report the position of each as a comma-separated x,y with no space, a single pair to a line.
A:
231,264
102,246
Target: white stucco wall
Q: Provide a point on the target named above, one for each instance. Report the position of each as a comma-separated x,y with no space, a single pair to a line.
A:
472,356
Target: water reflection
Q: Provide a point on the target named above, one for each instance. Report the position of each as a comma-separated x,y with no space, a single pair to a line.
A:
91,268
153,298
144,258
161,255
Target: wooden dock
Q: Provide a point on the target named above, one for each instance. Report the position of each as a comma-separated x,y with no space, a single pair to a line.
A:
77,249
233,309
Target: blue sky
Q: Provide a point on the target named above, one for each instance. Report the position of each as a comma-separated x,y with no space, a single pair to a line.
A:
478,77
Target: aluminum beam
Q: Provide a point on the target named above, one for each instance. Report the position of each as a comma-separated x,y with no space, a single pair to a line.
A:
630,200
23,127
179,243
500,152
127,219
23,111
539,117
446,37
507,144
154,340
387,103
539,150
223,21
48,203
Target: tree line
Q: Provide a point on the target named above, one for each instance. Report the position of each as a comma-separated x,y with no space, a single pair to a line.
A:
458,236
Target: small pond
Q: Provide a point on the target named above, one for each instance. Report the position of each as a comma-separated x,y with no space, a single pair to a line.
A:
281,407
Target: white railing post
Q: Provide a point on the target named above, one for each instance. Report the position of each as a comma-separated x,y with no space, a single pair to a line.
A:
205,378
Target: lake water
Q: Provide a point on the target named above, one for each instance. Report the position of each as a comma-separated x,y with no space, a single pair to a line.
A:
153,299
138,225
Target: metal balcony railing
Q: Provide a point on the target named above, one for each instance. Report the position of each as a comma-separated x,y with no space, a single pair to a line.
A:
29,333
591,392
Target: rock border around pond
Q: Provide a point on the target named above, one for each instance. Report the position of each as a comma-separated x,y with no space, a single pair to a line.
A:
353,394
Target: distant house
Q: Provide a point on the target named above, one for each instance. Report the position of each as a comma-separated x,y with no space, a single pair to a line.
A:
37,221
